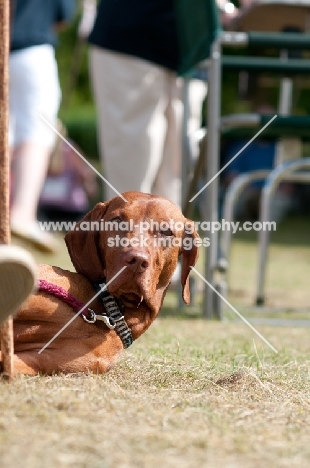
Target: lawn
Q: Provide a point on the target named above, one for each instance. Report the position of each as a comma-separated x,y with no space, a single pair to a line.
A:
189,393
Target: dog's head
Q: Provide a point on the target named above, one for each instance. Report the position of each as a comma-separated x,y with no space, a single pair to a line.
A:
146,234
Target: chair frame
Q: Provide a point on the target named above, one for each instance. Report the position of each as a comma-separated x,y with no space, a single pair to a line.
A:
215,64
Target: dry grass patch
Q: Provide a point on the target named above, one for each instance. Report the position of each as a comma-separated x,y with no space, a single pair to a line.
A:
188,394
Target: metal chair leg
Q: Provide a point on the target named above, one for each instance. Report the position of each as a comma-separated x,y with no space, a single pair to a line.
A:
280,173
231,196
212,165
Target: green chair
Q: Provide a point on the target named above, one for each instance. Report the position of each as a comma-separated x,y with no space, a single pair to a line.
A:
213,41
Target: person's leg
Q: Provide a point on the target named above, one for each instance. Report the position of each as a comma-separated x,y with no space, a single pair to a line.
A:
30,168
131,101
197,91
168,180
17,278
30,162
34,92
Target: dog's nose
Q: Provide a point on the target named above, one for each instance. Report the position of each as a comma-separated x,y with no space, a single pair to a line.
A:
137,260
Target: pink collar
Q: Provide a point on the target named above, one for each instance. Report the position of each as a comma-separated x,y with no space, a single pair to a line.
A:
62,294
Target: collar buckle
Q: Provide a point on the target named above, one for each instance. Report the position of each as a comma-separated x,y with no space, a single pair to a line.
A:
109,321
114,318
93,317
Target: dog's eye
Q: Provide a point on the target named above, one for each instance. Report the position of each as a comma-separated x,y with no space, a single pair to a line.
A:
117,219
166,232
114,224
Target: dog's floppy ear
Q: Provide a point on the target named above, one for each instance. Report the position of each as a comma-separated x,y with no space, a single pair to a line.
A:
83,244
190,255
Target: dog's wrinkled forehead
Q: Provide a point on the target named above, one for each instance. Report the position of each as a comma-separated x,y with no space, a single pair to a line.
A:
144,207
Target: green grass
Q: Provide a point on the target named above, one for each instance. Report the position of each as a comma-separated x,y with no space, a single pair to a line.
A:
169,402
287,270
190,392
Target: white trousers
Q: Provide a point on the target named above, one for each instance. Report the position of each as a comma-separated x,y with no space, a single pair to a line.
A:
34,91
140,111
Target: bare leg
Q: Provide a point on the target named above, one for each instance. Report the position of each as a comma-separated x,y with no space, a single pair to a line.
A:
30,167
30,163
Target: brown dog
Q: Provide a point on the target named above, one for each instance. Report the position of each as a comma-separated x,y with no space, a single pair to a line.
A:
140,287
